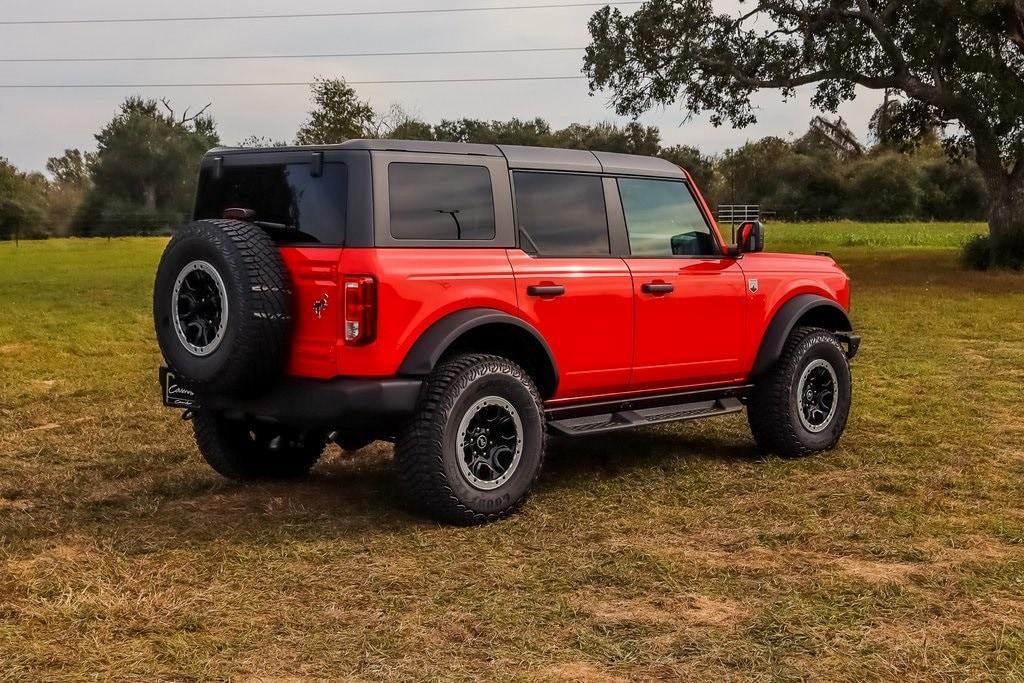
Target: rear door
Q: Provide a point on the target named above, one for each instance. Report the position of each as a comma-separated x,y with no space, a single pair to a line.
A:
690,299
568,284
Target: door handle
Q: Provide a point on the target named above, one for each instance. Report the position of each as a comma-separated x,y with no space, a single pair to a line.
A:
545,290
657,288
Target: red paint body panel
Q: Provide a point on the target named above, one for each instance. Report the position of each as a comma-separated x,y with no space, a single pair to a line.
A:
415,289
609,338
780,277
590,327
694,334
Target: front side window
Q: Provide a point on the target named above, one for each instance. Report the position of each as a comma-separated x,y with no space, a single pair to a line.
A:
663,219
440,202
561,214
288,201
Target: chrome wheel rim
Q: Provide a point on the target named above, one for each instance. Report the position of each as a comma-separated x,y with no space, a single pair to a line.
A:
490,443
817,396
199,308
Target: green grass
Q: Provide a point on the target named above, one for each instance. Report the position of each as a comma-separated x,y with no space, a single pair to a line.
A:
814,236
669,553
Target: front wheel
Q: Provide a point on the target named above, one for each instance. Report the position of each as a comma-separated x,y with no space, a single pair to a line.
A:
246,449
476,446
802,404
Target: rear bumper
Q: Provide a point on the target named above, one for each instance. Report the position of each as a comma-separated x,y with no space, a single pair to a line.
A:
371,405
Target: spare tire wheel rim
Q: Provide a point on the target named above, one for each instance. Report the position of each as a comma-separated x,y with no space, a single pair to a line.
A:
490,443
199,308
817,395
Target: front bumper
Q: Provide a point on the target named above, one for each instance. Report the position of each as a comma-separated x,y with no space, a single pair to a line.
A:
369,404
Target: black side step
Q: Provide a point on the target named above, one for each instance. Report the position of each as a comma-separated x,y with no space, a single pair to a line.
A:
638,417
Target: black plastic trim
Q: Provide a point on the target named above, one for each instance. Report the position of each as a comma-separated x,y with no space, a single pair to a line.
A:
852,344
429,348
373,405
563,412
783,323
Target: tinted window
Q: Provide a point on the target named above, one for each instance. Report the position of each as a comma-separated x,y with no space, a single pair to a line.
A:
304,208
441,202
663,219
562,214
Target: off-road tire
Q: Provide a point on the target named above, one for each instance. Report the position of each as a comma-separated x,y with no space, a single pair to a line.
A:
427,452
230,448
773,411
254,347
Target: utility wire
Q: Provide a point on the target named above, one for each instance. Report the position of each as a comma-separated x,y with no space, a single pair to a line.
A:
309,15
11,86
203,58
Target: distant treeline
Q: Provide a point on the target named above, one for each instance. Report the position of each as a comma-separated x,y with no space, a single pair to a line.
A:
140,179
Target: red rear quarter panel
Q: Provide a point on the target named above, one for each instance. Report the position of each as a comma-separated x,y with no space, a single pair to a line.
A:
780,277
415,289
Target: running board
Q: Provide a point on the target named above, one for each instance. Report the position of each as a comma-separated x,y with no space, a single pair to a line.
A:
639,417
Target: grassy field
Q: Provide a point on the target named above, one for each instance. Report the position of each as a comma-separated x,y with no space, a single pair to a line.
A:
669,553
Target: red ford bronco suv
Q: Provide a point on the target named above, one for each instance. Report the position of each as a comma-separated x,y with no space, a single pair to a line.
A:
464,300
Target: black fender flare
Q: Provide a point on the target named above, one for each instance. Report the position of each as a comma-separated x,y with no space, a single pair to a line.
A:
787,317
438,338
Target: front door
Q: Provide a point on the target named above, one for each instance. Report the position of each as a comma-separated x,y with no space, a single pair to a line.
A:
690,299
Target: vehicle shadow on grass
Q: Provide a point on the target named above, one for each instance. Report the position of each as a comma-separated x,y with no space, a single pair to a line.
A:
357,492
618,453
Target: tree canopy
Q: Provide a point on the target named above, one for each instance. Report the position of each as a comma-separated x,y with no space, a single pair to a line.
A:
338,115
143,173
956,64
22,202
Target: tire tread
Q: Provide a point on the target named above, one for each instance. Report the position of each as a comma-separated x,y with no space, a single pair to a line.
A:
419,450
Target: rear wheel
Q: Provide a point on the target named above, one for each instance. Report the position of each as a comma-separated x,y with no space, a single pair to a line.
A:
802,405
474,450
247,449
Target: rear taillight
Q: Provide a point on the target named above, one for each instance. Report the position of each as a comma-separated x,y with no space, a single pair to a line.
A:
360,324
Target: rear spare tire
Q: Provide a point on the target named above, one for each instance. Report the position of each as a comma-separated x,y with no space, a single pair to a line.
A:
221,306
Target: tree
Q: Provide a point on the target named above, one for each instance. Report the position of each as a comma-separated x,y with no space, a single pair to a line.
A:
885,187
261,141
700,166
608,137
22,202
959,62
143,175
339,115
72,167
71,182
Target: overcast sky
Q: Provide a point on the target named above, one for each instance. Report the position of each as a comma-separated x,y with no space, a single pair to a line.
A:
37,124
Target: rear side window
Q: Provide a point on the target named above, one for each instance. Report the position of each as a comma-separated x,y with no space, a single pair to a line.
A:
289,202
663,219
440,202
561,215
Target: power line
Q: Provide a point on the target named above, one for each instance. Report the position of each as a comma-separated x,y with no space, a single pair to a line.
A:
309,15
202,58
11,86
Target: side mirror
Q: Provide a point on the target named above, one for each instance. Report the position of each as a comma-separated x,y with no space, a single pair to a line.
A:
750,236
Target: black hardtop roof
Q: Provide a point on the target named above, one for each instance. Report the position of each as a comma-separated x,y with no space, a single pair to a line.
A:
519,157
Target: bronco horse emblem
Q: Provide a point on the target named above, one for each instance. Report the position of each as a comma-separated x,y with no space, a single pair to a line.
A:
319,306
